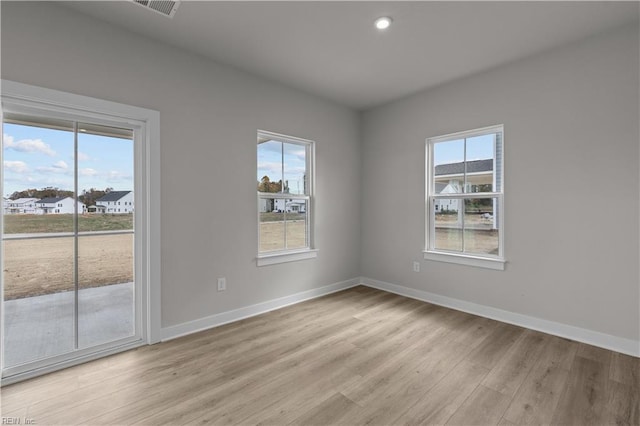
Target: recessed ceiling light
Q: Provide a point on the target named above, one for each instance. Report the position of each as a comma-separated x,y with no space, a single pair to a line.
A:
383,23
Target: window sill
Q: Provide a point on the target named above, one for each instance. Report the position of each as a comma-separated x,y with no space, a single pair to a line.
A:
463,259
275,258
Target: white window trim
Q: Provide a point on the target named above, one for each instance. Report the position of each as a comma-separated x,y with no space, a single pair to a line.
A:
33,99
292,255
468,259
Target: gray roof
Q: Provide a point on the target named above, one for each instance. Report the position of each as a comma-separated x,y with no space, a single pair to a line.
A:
112,196
475,166
51,200
440,187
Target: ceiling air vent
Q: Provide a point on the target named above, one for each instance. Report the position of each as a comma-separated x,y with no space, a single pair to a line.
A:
166,8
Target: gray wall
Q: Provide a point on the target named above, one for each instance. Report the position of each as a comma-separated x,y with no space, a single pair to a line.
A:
209,117
571,149
572,185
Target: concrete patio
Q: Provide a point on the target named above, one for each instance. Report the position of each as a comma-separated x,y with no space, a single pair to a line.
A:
43,326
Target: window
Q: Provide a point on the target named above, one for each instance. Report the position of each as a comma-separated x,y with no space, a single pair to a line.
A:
464,190
67,124
285,198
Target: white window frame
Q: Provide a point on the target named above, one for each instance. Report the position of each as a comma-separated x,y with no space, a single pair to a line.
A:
469,259
290,255
28,99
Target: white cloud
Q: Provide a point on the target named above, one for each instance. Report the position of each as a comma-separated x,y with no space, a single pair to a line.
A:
27,145
60,165
294,171
87,172
116,176
270,168
299,154
274,171
16,166
83,157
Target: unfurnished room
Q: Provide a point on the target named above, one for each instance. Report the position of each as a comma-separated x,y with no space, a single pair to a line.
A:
320,212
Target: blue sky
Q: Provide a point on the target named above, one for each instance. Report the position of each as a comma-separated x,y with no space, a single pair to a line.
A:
478,148
270,159
35,157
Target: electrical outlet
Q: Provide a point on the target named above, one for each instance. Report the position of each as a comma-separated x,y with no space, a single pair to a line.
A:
222,284
416,266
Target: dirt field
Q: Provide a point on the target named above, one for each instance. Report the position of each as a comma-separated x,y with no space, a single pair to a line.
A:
481,238
34,223
42,266
474,220
475,241
272,235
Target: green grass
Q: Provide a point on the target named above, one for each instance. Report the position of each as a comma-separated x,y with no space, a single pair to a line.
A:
31,223
278,217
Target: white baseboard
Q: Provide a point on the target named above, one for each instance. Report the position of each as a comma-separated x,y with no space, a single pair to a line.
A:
595,338
217,320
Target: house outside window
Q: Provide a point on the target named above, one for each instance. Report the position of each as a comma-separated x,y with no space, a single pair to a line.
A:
464,198
285,177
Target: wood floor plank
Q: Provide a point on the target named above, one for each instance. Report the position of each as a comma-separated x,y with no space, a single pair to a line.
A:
360,356
329,412
472,333
594,353
495,346
310,390
622,405
583,399
509,374
373,332
420,359
484,406
443,400
90,396
275,395
210,341
625,369
306,400
537,397
186,407
387,352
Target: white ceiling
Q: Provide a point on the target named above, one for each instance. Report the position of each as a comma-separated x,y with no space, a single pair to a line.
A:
332,49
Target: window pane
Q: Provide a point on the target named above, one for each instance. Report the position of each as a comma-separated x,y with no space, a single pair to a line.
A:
39,178
481,226
38,273
272,218
105,178
270,166
295,168
296,224
39,298
448,224
105,296
105,262
479,163
448,159
283,168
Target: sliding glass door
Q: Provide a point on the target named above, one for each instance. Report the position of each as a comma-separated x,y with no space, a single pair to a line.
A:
68,239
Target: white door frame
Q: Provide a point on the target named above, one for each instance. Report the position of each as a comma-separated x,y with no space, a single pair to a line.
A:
23,98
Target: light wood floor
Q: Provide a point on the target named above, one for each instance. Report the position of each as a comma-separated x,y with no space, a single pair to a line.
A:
361,356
